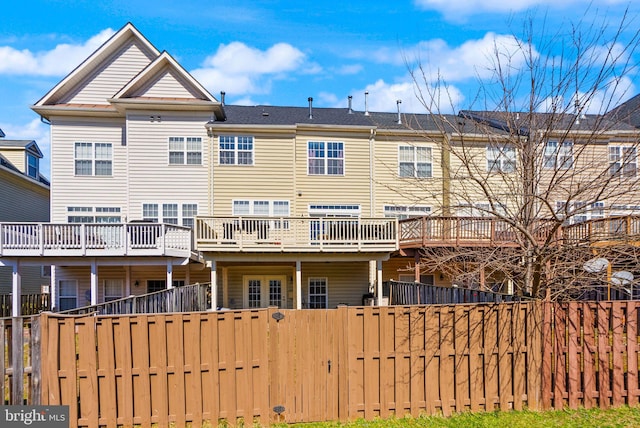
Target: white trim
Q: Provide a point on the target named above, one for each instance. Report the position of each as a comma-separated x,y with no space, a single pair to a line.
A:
326,289
265,292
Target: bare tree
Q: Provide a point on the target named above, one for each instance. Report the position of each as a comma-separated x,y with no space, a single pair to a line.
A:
541,164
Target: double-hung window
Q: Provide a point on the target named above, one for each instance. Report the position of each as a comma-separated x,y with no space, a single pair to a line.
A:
33,166
415,162
558,155
185,151
622,161
318,298
102,215
93,159
171,213
405,211
501,158
235,150
263,208
325,158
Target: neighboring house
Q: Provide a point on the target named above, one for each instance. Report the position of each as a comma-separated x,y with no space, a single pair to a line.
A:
156,183
24,193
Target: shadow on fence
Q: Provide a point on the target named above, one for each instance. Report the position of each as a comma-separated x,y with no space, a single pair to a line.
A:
188,298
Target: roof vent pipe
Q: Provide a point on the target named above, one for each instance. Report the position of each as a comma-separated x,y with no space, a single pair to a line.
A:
398,102
350,109
310,99
366,108
222,94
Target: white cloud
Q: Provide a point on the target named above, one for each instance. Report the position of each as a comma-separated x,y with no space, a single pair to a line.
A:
460,9
57,62
383,97
240,69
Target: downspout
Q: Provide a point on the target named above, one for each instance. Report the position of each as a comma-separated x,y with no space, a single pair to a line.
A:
372,199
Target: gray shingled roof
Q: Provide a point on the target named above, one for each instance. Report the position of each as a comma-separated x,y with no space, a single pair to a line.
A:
627,112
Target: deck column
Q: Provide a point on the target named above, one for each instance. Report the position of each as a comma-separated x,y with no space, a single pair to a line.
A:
16,301
169,274
298,285
379,282
214,285
53,289
225,287
94,283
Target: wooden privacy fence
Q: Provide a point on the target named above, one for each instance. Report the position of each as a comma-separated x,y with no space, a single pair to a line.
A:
272,365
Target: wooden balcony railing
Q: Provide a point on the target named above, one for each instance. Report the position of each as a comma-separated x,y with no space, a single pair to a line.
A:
487,231
64,239
259,234
31,304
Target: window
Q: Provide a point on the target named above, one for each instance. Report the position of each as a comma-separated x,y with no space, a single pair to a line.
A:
235,150
68,294
558,155
318,298
93,159
112,289
170,213
263,208
622,161
403,211
185,151
415,162
325,158
93,215
33,166
501,158
579,211
317,210
480,209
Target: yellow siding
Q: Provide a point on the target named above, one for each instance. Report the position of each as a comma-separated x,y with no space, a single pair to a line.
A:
16,157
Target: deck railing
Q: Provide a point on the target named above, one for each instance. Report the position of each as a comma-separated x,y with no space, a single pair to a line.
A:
618,228
93,239
296,233
188,298
31,304
413,293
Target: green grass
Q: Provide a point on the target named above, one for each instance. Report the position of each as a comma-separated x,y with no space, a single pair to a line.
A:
619,417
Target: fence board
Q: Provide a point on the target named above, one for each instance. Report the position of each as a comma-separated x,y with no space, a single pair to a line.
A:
106,373
603,355
632,354
140,372
87,372
588,351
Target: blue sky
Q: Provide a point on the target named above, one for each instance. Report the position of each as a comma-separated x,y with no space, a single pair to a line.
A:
282,52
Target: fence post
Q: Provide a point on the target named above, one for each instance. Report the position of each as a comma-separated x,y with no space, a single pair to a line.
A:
17,361
36,361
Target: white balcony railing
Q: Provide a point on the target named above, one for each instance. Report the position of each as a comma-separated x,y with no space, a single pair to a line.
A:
49,239
260,234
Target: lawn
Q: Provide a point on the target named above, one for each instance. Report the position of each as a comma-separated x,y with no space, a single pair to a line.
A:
619,417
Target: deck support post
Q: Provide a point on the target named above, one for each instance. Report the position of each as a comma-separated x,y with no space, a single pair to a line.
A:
169,274
298,285
214,285
16,308
94,282
379,283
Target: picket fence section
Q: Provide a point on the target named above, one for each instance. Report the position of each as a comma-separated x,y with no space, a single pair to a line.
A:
272,365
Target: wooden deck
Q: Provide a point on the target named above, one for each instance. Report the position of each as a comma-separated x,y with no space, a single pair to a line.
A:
491,232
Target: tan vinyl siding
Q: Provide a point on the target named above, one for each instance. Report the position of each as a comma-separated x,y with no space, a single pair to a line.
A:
391,189
271,177
16,157
347,282
166,84
116,72
22,198
70,190
151,178
351,188
30,276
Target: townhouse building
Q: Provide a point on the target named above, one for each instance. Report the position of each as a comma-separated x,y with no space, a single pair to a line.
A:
156,183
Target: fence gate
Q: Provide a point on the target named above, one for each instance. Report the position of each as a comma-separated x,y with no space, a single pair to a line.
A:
307,370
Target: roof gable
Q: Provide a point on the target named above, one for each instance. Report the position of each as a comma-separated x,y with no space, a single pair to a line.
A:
164,79
105,71
24,145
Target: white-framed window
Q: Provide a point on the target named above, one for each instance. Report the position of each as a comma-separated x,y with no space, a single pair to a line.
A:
579,211
263,208
334,210
235,150
185,151
113,289
170,213
415,162
558,155
405,211
67,294
501,158
264,291
325,158
33,166
622,161
318,296
93,159
94,215
480,209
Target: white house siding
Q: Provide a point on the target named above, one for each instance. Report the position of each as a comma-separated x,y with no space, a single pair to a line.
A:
16,157
116,72
22,199
166,83
390,189
271,177
67,189
151,178
351,188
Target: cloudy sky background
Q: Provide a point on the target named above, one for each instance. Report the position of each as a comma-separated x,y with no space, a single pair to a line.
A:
282,52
